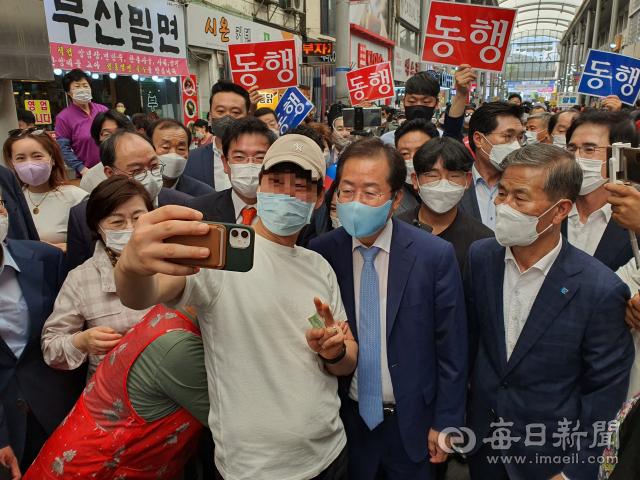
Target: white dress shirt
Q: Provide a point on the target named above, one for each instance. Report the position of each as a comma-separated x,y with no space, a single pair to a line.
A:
486,196
14,313
587,236
239,205
220,178
519,292
381,264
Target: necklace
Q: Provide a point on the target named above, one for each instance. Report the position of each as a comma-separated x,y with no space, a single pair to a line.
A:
36,210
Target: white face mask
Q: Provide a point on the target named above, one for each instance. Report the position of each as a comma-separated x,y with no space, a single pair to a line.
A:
4,227
199,135
276,132
151,183
116,239
244,179
82,95
591,175
410,170
174,165
500,152
560,141
335,222
517,228
441,196
532,137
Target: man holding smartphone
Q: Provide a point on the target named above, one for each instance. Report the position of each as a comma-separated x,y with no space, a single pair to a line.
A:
274,401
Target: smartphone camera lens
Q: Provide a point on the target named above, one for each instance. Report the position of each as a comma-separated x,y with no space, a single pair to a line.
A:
234,233
244,234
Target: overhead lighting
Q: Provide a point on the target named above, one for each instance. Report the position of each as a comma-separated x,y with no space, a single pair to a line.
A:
154,78
174,79
135,77
113,76
95,76
613,45
27,93
142,79
87,72
57,71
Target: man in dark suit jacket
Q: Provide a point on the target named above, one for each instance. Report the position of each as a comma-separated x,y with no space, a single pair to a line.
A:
549,350
171,139
34,398
229,103
589,225
396,406
124,153
21,226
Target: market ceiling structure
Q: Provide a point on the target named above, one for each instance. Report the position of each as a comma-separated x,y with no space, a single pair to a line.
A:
542,15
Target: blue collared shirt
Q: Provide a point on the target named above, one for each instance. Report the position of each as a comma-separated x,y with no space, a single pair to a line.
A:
14,314
486,196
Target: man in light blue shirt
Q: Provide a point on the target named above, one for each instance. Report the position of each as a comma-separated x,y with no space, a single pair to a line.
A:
34,398
495,123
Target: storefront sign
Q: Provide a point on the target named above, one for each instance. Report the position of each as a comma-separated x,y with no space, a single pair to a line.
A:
530,86
40,109
317,49
611,74
446,80
209,28
142,37
370,83
567,100
292,109
476,35
367,57
406,64
189,102
410,12
266,64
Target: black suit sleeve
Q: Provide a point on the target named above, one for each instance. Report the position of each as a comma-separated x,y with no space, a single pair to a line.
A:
75,242
472,324
4,430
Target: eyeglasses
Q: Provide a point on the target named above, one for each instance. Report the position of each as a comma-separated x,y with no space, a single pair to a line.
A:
586,150
455,177
19,132
156,171
242,159
368,198
509,137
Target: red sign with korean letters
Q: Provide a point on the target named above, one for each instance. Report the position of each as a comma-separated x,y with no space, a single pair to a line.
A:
476,35
370,83
270,65
362,55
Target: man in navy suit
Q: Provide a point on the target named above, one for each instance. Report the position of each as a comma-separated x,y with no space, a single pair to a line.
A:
403,296
229,102
549,351
589,225
21,226
171,139
124,153
34,398
494,124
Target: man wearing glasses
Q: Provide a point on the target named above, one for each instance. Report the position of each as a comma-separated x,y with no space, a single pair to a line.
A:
589,225
123,153
403,297
495,130
244,146
442,175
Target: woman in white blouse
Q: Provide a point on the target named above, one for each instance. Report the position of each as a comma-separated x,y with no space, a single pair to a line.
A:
88,318
37,161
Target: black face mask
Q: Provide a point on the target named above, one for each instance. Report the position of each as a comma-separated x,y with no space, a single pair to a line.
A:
220,125
419,111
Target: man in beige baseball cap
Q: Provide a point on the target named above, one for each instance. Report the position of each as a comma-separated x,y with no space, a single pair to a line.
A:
299,150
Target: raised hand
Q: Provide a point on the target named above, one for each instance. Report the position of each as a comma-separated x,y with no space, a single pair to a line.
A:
328,341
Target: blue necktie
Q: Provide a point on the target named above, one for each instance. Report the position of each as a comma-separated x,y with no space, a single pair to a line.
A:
369,373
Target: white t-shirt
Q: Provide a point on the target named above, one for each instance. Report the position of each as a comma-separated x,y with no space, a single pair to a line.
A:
274,407
93,177
53,213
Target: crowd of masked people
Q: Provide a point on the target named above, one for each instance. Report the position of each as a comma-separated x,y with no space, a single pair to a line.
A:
474,273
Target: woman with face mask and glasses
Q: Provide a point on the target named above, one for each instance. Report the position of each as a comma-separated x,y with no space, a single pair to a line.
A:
36,160
88,318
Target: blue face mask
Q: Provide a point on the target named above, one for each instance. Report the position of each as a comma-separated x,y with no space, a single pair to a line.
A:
360,220
283,215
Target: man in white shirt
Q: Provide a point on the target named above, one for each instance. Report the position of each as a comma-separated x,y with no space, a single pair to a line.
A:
495,129
245,145
274,399
549,347
589,226
229,103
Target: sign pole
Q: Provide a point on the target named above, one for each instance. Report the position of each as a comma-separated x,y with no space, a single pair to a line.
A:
343,49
